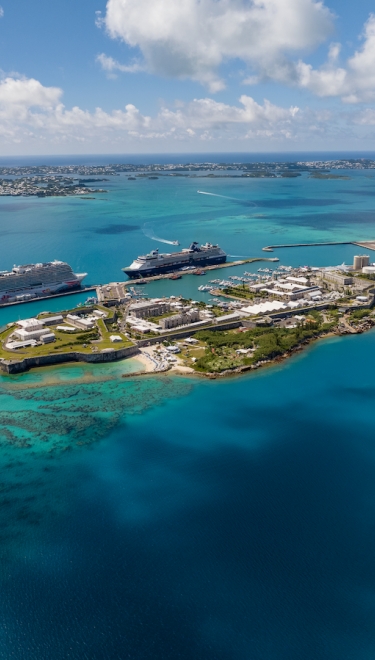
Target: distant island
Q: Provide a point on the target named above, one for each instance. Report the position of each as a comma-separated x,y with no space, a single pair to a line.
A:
64,181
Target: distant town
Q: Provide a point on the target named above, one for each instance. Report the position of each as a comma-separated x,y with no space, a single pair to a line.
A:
47,186
64,180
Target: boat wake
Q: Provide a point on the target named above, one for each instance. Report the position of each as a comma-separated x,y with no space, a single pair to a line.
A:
149,232
201,192
239,256
234,199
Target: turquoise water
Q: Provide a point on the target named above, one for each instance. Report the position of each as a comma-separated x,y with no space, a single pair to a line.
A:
165,518
174,517
103,235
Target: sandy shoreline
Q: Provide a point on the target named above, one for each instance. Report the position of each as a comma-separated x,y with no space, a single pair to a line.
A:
145,361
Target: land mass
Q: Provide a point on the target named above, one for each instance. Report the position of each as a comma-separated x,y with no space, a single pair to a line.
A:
198,337
64,180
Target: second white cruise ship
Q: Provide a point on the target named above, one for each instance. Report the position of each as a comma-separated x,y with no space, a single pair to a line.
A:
37,280
155,262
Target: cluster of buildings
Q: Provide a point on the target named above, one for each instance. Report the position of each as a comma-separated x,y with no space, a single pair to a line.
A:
301,289
289,288
159,314
30,332
44,186
36,331
85,322
343,277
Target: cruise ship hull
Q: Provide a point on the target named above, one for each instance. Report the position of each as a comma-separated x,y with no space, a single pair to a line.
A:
30,293
197,262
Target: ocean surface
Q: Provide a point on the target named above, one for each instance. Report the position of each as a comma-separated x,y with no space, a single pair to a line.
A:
173,517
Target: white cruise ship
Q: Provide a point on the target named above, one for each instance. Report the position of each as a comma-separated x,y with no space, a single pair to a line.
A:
156,263
37,280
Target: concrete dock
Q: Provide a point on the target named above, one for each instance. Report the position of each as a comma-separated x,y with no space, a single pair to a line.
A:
115,292
227,264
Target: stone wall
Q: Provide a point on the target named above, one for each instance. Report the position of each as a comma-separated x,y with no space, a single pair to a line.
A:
18,366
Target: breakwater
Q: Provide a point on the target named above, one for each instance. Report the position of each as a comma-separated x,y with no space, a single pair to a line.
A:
368,245
269,248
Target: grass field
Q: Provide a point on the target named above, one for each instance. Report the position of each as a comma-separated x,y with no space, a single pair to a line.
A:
80,341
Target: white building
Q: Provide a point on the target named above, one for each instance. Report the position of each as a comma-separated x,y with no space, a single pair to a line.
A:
30,324
37,333
175,321
154,307
303,281
81,322
115,338
264,308
226,318
48,338
53,320
21,344
340,279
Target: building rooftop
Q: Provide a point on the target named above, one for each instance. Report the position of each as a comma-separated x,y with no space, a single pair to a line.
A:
30,324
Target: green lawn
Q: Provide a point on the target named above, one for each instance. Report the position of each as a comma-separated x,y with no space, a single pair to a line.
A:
80,341
105,334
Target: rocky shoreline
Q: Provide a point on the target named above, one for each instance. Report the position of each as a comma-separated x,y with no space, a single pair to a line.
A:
362,327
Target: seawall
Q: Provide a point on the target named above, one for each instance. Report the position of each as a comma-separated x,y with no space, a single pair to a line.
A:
19,366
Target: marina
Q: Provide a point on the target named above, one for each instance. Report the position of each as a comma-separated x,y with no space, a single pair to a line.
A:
192,271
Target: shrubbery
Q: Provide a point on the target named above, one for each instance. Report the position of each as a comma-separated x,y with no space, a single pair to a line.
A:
269,343
359,314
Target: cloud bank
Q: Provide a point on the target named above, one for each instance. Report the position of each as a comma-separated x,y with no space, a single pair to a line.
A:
31,113
191,39
27,108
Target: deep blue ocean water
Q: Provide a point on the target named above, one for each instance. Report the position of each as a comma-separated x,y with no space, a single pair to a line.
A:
165,518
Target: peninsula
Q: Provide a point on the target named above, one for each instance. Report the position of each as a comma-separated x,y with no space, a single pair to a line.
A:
250,320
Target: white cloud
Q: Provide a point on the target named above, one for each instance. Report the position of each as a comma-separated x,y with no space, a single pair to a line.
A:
1,12
27,92
111,65
191,38
28,108
354,83
99,20
203,115
365,118
32,114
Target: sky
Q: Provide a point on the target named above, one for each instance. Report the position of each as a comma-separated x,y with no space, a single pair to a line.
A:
180,76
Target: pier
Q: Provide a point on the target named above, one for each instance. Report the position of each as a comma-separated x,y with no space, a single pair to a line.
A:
228,264
115,292
368,245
